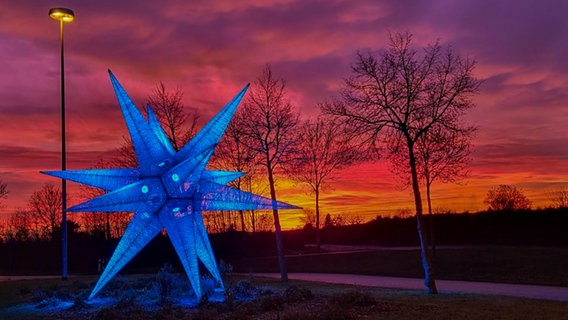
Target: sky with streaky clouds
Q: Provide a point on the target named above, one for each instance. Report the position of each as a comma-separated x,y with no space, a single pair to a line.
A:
211,49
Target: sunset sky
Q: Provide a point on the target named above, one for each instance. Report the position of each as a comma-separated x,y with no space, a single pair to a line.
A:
211,49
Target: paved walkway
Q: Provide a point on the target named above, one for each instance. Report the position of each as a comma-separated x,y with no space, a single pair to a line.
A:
484,288
16,278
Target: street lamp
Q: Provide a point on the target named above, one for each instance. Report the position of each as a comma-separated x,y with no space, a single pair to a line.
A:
63,15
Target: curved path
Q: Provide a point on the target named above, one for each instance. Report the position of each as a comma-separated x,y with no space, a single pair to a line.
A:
17,278
484,288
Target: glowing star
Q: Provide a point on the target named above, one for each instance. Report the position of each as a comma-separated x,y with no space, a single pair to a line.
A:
169,190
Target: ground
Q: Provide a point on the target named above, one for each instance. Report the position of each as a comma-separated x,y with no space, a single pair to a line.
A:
165,295
142,297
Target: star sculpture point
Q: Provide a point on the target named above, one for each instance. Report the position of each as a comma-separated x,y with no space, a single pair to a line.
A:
169,190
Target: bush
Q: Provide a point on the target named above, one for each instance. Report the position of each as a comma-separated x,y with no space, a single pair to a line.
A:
243,312
226,272
165,280
79,304
295,294
208,286
272,302
336,313
354,299
297,315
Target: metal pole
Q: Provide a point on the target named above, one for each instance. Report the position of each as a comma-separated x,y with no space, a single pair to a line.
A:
64,272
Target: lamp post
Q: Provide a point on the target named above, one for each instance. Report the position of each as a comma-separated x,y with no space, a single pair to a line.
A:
63,15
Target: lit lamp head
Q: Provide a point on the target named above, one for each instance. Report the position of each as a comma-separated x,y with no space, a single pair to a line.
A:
62,14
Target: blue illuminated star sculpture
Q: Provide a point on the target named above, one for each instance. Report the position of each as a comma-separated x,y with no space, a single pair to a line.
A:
168,190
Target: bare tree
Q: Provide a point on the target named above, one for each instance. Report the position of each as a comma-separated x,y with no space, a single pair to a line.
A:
324,149
308,218
111,224
353,219
45,208
265,222
20,226
395,98
124,156
233,154
173,115
3,190
506,198
270,130
559,197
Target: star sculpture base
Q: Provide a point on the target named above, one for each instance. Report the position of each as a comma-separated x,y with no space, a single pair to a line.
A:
169,190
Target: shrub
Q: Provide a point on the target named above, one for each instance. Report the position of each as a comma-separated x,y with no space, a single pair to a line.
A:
334,312
208,286
226,271
243,312
295,294
297,315
354,298
272,303
165,280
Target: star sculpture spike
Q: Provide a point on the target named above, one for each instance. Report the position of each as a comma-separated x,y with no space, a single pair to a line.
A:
169,190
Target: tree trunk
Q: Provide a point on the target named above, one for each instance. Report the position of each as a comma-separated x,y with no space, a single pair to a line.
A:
107,231
429,277
318,238
277,229
431,220
241,212
253,221
243,226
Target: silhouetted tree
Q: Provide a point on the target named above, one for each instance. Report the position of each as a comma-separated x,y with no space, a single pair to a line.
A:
327,222
3,191
506,198
111,224
270,129
396,97
559,197
353,219
20,226
233,154
308,217
45,208
324,149
265,222
179,122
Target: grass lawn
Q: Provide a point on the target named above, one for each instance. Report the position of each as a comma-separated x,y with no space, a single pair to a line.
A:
522,265
294,300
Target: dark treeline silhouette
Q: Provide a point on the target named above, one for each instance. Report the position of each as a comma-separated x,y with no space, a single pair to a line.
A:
543,227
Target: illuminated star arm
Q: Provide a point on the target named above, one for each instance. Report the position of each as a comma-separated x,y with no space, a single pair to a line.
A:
142,228
180,227
220,197
157,128
183,178
212,132
106,179
221,177
145,195
150,151
203,247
